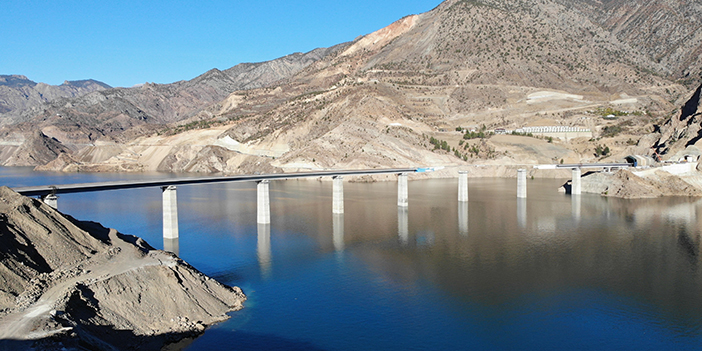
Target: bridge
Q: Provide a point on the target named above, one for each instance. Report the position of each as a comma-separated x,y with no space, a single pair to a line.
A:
48,193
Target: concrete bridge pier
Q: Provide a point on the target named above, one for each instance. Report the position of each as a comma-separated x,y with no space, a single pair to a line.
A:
338,195
170,212
263,212
51,200
171,245
402,194
521,183
462,186
575,185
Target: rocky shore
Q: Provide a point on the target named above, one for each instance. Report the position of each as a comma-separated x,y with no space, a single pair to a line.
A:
67,284
637,185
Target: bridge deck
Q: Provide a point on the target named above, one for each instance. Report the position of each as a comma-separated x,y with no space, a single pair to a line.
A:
130,184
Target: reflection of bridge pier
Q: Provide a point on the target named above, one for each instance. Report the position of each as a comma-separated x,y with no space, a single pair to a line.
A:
575,204
338,231
522,212
463,218
263,248
403,225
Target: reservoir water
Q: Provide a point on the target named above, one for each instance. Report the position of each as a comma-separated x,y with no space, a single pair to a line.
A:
551,272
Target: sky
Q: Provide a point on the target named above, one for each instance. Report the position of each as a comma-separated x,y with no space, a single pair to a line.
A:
124,43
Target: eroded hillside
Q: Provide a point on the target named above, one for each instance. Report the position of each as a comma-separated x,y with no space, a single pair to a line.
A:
396,97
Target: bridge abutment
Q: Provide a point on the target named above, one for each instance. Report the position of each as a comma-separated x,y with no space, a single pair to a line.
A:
170,212
521,183
263,213
402,193
51,200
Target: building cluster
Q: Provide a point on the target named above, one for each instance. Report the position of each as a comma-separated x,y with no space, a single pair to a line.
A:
550,129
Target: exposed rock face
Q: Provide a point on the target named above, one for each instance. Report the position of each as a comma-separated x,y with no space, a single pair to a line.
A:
19,92
683,129
675,41
65,283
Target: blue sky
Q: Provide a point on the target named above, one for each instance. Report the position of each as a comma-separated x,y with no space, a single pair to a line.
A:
124,43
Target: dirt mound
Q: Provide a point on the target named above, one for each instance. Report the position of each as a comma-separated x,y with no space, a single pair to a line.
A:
65,283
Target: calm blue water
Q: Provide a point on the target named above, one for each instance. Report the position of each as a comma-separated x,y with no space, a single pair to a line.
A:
554,272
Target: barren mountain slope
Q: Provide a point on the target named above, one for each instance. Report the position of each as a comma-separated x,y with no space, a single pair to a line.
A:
120,114
377,102
382,100
18,93
667,31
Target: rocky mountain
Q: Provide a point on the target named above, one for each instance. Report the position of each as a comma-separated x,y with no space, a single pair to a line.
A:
667,31
110,114
395,97
683,129
19,92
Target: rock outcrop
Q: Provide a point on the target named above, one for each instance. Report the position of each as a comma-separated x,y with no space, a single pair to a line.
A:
625,184
684,128
65,283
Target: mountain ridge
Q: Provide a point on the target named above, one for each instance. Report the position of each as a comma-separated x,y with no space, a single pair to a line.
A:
380,100
17,92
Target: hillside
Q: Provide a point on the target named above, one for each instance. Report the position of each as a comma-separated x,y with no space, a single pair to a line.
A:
382,100
78,285
18,92
120,114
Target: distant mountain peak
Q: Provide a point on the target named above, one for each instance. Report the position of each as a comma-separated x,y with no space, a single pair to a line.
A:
15,80
20,93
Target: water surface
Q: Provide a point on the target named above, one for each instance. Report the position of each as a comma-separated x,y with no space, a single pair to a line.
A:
551,272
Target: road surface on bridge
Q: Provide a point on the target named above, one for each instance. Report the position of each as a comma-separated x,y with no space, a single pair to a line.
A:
43,190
